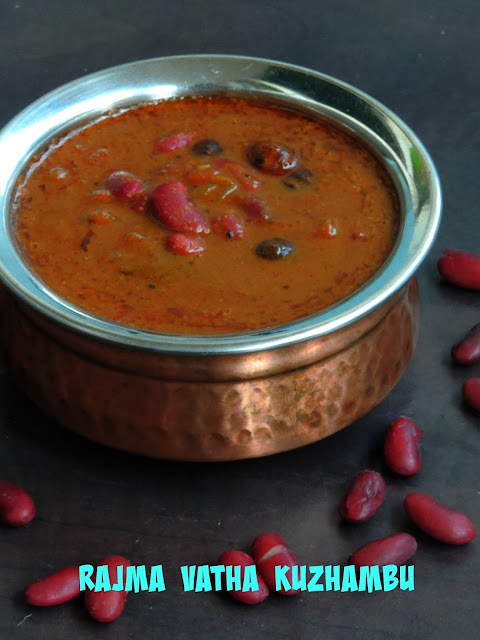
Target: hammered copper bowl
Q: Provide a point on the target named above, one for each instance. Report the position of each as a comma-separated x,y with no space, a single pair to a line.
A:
217,397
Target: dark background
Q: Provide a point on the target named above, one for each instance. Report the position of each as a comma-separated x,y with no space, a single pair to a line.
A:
418,57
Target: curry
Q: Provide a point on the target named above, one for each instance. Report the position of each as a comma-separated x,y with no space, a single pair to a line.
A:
205,215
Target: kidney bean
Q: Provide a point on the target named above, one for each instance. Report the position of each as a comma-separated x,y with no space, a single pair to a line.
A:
106,606
395,549
364,497
239,558
274,248
183,245
175,211
57,588
460,268
228,225
467,351
471,392
255,209
275,159
16,506
401,448
124,185
437,520
270,550
173,142
207,147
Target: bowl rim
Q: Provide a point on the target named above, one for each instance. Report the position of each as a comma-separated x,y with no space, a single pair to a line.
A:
407,160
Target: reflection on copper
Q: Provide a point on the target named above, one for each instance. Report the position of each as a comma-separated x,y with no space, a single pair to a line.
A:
218,407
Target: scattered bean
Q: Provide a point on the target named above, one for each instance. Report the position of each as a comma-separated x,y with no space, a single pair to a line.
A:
364,497
57,588
16,506
401,448
239,558
175,211
471,392
268,551
124,185
173,142
106,606
275,159
274,248
395,549
460,268
207,147
467,351
183,245
437,520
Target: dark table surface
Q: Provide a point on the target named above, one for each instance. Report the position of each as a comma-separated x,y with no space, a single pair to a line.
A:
420,58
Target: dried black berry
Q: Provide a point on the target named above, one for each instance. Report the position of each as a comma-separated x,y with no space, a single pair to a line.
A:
274,159
274,248
297,178
207,147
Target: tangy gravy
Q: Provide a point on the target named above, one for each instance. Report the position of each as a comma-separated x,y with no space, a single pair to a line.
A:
96,225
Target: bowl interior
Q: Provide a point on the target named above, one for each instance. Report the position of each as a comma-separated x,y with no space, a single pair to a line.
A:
393,143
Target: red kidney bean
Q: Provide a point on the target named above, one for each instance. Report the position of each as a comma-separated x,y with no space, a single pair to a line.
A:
437,520
106,606
396,549
467,351
255,209
57,588
471,392
401,448
269,550
183,245
173,142
228,225
124,185
275,159
175,211
16,506
460,268
239,558
364,497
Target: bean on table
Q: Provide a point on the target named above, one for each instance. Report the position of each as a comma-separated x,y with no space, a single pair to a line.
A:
401,448
438,520
364,497
270,550
57,588
239,558
16,505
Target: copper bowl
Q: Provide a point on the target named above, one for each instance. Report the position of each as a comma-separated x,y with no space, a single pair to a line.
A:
217,397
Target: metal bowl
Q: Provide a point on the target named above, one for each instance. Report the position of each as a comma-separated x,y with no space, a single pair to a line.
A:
224,396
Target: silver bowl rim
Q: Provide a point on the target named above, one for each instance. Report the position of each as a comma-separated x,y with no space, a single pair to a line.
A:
142,81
